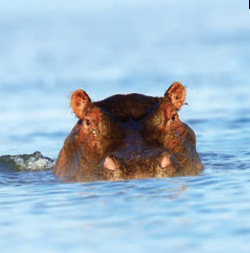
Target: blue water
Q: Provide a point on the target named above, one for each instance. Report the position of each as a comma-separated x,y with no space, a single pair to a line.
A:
50,48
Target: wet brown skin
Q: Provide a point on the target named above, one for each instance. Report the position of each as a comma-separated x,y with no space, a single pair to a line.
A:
128,137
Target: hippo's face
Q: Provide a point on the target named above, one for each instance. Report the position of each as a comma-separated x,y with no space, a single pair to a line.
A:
128,136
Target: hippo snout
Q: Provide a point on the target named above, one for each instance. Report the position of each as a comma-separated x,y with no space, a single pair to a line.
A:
157,165
113,162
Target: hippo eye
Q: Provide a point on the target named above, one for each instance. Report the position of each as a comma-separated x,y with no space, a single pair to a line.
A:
174,117
87,121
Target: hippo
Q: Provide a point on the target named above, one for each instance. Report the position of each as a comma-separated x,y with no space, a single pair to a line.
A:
131,136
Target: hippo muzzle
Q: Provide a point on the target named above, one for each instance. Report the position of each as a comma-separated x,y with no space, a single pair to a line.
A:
135,158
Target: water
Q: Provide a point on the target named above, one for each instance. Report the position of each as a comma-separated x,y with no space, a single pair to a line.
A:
48,49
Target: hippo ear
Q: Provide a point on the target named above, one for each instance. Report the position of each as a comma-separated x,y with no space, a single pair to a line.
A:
176,94
79,101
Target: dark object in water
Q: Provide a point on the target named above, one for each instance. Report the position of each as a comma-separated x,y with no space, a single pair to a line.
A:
35,161
128,137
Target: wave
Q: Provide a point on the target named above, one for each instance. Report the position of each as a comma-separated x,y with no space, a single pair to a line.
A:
30,162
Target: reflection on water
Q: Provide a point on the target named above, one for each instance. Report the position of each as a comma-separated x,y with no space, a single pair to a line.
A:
184,214
48,49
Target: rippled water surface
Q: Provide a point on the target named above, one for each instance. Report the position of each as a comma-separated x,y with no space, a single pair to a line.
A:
50,48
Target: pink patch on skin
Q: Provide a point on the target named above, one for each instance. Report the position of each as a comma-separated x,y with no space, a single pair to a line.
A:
110,164
165,162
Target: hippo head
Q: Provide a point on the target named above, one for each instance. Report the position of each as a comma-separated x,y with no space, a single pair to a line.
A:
128,136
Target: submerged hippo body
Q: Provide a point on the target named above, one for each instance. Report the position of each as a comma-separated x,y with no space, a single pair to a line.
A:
128,136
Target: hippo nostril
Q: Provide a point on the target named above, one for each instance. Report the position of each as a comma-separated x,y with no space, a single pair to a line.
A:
165,161
110,163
